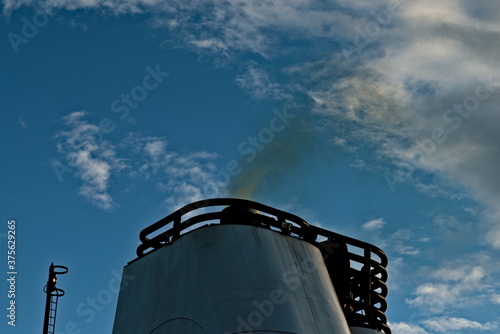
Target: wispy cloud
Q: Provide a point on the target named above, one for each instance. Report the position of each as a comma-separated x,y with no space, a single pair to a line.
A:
23,123
259,83
184,177
375,224
465,284
93,158
406,328
424,95
495,299
404,241
228,27
449,324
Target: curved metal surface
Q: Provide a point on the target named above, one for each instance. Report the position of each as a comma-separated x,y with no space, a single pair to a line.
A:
360,283
231,279
178,325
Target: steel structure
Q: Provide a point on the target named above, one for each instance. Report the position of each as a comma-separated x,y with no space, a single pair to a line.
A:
236,266
53,294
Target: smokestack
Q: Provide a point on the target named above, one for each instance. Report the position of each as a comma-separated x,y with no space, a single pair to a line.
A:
250,268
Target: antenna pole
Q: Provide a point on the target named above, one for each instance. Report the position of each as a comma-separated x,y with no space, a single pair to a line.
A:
53,294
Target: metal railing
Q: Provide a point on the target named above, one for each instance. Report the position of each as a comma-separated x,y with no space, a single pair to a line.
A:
360,268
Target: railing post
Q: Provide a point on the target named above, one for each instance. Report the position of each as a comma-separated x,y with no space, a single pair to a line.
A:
177,227
368,268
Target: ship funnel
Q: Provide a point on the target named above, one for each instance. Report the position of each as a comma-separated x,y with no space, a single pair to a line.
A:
234,266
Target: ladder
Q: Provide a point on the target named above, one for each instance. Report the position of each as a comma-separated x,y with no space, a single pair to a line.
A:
53,294
52,310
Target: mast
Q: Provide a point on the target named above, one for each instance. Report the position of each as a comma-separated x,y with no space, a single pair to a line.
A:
53,294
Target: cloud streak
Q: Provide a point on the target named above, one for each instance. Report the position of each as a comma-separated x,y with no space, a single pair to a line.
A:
405,328
447,324
95,161
375,224
93,158
466,285
185,177
424,99
420,88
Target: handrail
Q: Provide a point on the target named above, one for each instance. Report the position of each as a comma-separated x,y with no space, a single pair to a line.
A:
175,218
361,292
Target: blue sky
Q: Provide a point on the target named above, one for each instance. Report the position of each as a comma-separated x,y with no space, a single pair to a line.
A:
378,120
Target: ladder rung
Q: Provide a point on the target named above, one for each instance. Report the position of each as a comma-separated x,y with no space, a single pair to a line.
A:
52,315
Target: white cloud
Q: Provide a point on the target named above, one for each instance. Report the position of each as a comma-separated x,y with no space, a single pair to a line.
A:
493,235
406,250
22,122
226,27
116,6
215,45
434,298
259,84
403,241
184,177
495,299
447,324
467,283
469,275
425,94
406,328
375,224
93,158
155,148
